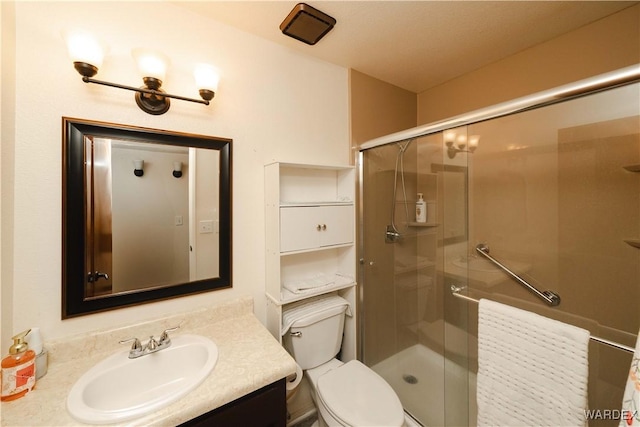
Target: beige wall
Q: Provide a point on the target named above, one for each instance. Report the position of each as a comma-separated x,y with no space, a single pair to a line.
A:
7,138
608,44
142,219
378,108
264,103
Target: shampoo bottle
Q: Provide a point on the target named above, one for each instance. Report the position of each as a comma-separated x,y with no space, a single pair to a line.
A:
421,209
18,369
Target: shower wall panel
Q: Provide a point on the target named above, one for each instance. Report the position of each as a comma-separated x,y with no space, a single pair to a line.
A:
551,197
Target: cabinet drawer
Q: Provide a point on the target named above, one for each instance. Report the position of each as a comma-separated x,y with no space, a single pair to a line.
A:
309,227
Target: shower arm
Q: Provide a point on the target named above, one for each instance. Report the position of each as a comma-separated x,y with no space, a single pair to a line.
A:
549,297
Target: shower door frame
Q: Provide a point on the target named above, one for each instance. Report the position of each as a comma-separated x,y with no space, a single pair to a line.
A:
611,80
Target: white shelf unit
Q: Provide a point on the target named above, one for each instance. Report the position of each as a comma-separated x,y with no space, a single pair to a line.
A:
310,232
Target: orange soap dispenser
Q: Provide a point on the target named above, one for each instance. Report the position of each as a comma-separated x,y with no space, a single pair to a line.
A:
18,369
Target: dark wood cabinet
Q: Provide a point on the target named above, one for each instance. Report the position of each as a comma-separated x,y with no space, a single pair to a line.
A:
266,407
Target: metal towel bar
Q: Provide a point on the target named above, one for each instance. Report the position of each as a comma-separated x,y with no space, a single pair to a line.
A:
549,297
455,291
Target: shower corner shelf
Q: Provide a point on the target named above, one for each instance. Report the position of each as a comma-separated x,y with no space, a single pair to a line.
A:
633,242
423,224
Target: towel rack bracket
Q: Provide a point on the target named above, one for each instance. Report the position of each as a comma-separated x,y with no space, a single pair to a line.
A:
552,298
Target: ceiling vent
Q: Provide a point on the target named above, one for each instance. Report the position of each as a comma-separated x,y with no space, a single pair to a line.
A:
307,24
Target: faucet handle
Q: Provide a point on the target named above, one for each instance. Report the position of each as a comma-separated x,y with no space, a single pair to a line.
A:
164,338
152,345
135,347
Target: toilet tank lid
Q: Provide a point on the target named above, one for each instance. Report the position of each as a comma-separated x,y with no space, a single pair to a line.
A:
313,310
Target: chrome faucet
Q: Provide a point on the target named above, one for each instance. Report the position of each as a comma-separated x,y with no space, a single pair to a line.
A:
138,350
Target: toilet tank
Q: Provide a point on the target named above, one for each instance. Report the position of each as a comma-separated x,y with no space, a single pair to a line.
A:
316,336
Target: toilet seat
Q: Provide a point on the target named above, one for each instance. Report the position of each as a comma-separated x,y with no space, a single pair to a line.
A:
357,396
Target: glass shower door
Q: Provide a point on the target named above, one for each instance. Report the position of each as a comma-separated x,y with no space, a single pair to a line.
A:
408,337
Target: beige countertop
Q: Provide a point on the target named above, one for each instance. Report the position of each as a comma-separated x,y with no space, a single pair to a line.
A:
249,359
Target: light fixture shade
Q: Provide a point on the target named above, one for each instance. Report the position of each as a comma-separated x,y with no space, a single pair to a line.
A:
83,47
449,137
138,167
177,169
474,140
151,63
207,77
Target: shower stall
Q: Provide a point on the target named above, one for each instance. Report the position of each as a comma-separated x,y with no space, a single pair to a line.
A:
549,186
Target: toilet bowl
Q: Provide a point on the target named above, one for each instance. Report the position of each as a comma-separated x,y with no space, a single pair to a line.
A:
351,394
345,394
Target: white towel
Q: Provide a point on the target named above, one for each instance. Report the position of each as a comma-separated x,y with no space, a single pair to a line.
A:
532,370
631,399
309,307
315,283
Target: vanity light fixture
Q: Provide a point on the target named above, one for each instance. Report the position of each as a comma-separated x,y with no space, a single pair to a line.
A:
87,55
177,169
460,143
138,168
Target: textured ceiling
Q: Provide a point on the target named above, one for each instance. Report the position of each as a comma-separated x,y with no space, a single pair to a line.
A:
416,44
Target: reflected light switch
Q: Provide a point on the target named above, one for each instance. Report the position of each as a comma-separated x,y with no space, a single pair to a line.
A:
178,220
205,226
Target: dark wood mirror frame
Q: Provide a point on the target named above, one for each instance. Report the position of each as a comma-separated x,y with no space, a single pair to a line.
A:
74,273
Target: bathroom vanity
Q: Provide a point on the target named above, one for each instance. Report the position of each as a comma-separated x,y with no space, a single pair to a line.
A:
248,380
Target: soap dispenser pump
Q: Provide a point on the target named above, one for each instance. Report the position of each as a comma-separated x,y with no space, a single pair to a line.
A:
18,369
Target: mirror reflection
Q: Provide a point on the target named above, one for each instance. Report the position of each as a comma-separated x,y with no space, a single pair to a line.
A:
146,215
454,201
152,217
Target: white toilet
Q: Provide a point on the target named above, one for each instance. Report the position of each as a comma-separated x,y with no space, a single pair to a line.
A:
346,394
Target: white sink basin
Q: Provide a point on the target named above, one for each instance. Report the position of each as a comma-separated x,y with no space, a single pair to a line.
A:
119,389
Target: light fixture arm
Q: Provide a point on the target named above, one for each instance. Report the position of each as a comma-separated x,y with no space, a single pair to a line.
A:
147,91
452,149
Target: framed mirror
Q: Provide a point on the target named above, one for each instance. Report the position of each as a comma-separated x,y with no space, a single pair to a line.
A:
146,215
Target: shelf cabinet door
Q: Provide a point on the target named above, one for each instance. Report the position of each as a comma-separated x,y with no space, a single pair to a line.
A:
336,223
298,228
309,227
